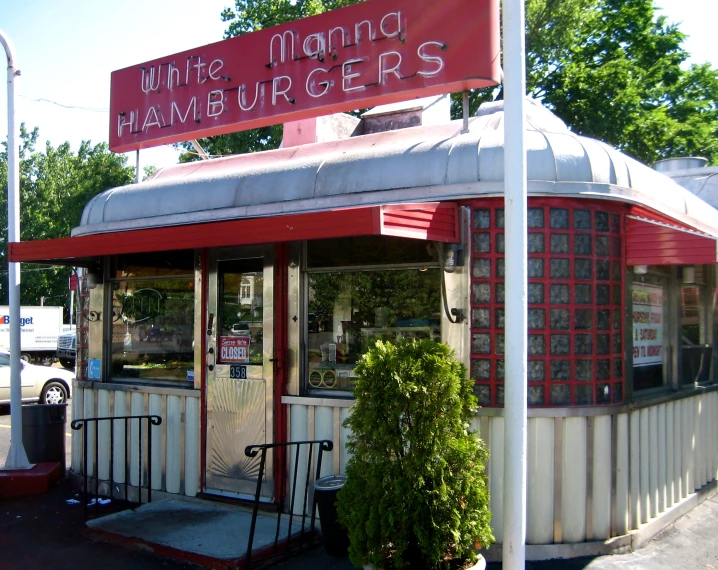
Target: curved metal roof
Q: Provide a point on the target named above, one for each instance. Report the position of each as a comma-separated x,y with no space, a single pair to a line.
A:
702,182
415,164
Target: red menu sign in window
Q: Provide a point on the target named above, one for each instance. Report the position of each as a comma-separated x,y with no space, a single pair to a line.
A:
371,53
234,349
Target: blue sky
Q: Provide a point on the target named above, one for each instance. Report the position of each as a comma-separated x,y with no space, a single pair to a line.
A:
67,49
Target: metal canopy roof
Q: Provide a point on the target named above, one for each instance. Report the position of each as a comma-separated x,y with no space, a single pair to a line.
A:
409,165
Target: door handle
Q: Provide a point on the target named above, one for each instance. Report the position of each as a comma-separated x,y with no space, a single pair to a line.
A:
210,352
210,324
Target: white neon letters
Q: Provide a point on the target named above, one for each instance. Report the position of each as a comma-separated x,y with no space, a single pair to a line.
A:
215,103
310,85
431,59
351,60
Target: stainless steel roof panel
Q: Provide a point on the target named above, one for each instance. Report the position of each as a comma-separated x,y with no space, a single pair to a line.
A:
430,162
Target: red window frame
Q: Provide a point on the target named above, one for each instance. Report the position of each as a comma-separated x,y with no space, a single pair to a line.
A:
582,362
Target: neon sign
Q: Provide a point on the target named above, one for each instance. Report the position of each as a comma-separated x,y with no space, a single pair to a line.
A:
363,55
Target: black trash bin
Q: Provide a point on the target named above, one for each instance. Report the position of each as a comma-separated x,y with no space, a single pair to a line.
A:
334,535
43,432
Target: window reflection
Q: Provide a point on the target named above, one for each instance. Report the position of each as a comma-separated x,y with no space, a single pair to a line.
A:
152,329
350,311
241,311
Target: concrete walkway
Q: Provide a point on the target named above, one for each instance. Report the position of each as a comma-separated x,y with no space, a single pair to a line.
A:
207,533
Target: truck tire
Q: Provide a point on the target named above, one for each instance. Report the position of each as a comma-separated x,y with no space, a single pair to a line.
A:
54,392
67,363
46,360
26,357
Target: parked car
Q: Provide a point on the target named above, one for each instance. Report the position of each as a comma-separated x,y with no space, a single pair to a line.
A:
43,384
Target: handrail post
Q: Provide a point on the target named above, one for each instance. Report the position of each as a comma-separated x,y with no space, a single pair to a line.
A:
291,478
83,424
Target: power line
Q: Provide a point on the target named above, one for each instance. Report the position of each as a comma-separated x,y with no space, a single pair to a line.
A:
43,100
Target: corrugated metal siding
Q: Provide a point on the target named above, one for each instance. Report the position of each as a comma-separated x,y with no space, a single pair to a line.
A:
652,243
438,221
433,221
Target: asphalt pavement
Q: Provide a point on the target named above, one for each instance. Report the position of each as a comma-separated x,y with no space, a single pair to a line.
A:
48,531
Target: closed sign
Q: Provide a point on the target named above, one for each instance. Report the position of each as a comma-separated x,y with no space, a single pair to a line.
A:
234,349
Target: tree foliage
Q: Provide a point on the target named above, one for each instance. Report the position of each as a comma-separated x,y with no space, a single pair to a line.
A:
611,69
416,493
55,185
623,82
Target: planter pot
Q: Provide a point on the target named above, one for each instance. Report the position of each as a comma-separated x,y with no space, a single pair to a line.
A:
479,565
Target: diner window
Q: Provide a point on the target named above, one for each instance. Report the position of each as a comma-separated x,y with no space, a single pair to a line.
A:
696,347
360,290
152,325
649,297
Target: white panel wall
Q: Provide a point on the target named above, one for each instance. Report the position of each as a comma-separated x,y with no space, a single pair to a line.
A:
623,466
192,447
496,476
662,454
155,409
539,500
602,471
324,429
641,463
573,492
175,443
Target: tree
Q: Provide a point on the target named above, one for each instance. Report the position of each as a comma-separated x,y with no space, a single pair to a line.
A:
55,185
623,82
611,69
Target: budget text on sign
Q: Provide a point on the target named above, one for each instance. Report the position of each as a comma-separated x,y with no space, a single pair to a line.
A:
371,53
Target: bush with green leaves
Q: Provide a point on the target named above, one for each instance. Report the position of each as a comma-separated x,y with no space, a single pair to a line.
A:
416,494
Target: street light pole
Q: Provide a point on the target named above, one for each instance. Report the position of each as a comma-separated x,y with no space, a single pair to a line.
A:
16,457
516,294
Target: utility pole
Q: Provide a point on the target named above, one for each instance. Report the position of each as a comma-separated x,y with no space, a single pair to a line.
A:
16,457
516,208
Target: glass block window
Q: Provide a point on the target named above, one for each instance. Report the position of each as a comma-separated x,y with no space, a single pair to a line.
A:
575,295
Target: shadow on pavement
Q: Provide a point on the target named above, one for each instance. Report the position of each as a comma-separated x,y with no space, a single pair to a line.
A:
45,531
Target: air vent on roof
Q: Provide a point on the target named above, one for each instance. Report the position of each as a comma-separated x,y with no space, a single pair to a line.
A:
680,163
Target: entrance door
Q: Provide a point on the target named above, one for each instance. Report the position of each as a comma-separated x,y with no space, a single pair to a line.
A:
240,349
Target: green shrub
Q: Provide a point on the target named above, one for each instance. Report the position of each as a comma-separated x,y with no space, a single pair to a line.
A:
416,494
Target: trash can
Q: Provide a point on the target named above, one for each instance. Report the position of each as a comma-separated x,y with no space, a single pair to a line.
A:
43,432
334,536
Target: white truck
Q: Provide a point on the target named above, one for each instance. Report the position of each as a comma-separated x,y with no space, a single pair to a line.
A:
39,329
66,347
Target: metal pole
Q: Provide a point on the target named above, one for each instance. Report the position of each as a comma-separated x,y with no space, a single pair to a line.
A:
16,457
515,205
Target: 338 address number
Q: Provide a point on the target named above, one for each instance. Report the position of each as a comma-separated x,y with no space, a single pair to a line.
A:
238,371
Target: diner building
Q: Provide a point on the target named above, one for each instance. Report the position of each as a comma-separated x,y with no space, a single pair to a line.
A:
234,296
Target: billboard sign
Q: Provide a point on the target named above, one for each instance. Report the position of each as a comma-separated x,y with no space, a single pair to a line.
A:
372,53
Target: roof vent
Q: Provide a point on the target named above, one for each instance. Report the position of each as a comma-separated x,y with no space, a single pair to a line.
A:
413,113
681,163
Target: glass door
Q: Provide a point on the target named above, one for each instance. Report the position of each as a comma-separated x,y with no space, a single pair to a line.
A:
239,370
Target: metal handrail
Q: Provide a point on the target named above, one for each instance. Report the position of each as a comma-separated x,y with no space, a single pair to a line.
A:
254,450
79,424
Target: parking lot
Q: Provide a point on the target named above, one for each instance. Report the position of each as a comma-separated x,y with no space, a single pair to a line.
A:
5,432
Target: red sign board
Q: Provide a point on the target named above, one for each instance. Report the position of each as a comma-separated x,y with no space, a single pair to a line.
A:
374,52
234,349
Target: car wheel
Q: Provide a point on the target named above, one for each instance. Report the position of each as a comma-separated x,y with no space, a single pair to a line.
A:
47,360
26,357
54,392
67,363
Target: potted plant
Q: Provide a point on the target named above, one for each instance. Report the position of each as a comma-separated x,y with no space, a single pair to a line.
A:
416,494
